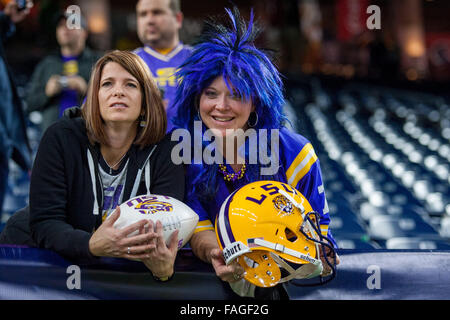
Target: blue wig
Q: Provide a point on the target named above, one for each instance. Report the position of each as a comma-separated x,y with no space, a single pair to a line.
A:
228,50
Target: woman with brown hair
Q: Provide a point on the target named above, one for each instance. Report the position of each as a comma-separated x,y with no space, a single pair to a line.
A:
96,158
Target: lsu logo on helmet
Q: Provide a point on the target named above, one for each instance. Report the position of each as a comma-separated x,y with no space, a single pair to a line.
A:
268,226
283,204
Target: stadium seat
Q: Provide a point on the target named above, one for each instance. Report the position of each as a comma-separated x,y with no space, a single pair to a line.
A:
345,224
384,227
416,243
367,211
356,244
445,227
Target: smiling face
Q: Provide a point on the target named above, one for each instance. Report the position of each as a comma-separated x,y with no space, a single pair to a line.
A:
223,110
119,95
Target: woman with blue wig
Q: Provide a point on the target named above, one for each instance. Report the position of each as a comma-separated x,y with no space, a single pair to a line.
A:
229,89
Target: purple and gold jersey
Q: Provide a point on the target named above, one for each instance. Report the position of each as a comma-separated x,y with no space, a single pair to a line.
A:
163,68
69,97
299,167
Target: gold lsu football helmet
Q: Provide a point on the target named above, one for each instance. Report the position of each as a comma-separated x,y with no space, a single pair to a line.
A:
269,227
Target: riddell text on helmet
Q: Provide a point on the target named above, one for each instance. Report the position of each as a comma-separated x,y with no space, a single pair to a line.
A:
233,250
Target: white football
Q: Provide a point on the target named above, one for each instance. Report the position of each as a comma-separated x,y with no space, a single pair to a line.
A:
173,214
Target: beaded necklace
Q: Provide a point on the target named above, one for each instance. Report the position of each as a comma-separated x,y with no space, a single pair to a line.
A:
232,176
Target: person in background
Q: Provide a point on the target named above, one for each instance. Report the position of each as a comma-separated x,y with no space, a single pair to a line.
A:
158,26
14,142
59,81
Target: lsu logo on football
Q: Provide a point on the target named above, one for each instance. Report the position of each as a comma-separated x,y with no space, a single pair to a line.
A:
150,205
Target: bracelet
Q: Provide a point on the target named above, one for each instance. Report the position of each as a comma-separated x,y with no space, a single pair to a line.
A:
163,279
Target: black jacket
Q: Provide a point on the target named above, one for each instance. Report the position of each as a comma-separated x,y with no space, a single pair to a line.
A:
62,197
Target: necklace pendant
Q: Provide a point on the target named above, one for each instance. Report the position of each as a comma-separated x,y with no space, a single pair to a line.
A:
117,163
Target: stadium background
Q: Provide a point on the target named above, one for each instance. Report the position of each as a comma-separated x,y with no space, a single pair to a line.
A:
374,103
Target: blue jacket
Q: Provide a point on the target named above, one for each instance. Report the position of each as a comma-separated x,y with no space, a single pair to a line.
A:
13,136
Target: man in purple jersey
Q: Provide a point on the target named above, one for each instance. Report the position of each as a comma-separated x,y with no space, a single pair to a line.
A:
158,25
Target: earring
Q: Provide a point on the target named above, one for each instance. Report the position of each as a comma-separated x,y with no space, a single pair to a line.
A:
256,121
198,114
142,122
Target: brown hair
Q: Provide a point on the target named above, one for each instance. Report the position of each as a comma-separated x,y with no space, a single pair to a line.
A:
152,103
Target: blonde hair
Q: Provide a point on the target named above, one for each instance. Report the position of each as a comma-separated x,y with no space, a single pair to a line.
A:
152,103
